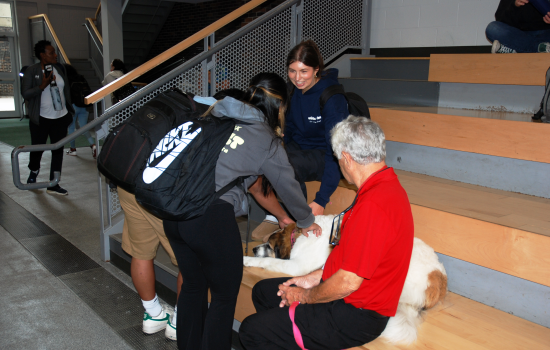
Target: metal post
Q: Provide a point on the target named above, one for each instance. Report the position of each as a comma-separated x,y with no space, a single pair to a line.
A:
366,27
299,25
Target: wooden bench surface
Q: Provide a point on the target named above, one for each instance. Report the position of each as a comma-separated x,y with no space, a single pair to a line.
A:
512,69
501,138
457,323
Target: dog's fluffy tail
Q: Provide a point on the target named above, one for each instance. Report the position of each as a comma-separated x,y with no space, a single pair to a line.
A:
403,327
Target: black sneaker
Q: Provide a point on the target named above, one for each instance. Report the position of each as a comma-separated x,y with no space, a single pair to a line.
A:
57,190
32,177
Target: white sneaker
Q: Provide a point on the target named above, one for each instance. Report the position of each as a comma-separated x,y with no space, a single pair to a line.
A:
71,152
499,48
170,332
155,324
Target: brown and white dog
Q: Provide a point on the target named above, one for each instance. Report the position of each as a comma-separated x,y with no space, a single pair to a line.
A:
289,251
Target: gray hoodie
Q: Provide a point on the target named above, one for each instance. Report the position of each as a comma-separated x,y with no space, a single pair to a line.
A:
253,150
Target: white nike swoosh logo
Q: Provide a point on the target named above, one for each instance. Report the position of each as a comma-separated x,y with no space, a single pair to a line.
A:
170,147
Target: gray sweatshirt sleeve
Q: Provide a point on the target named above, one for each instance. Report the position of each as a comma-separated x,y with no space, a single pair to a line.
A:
280,173
27,90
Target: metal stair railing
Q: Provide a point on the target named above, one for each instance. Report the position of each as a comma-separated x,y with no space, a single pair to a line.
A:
95,46
260,46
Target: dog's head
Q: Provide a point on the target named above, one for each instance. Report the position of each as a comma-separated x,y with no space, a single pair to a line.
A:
279,243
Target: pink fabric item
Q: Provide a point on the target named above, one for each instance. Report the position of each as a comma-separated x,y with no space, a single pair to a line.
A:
295,329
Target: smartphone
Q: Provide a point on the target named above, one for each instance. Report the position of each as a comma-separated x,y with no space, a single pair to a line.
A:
48,70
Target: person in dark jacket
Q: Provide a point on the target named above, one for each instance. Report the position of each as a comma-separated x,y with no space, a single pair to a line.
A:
519,27
79,90
208,248
47,120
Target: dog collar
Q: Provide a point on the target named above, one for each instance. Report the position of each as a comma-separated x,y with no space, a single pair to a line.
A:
292,238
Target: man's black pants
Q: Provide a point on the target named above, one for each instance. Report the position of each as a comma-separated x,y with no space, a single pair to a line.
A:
55,129
334,325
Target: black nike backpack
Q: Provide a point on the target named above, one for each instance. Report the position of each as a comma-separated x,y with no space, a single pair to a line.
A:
127,147
179,182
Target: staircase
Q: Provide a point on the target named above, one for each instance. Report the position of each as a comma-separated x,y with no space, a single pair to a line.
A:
84,67
142,20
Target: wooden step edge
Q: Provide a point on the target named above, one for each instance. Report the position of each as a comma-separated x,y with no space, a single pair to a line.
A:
391,58
518,69
501,138
508,250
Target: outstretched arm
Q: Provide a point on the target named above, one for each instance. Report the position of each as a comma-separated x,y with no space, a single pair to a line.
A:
270,203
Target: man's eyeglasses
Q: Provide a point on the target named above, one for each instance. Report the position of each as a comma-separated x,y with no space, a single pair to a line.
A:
336,228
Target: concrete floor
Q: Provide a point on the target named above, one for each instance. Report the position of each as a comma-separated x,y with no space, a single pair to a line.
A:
39,310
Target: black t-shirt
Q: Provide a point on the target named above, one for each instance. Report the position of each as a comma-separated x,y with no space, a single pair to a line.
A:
525,17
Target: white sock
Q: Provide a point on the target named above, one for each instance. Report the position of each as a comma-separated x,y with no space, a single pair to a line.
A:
36,172
174,317
152,307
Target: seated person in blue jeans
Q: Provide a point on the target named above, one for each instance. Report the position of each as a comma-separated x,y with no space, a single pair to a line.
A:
519,27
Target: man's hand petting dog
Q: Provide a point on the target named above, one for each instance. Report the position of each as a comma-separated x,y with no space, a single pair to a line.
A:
297,288
314,228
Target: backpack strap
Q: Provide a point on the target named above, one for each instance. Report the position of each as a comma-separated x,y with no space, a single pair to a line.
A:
238,181
329,92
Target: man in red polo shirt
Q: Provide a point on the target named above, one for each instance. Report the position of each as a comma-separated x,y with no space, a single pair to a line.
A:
349,302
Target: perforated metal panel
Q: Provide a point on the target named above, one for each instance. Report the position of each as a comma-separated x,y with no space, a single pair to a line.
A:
189,81
333,24
262,50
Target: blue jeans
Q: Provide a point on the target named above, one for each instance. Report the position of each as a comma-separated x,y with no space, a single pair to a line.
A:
516,39
80,114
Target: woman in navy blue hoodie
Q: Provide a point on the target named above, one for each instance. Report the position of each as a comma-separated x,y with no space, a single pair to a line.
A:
307,128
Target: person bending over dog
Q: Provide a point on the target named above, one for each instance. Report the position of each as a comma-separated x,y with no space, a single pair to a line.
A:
349,302
208,248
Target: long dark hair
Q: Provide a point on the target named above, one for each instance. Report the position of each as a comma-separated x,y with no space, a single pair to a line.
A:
119,65
267,92
308,53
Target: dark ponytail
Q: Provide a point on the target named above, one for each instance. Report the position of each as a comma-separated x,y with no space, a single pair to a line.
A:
267,92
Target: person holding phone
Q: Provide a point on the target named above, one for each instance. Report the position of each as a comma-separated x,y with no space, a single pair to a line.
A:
520,26
50,109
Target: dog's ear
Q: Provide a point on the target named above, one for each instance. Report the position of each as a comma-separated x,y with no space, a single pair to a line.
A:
437,289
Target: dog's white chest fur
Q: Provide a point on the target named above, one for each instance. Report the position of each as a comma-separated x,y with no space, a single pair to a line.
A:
308,253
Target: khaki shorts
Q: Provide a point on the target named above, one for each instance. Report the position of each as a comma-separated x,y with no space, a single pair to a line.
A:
142,231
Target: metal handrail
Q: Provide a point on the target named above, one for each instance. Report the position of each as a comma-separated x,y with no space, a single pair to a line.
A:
55,38
166,55
48,147
95,30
